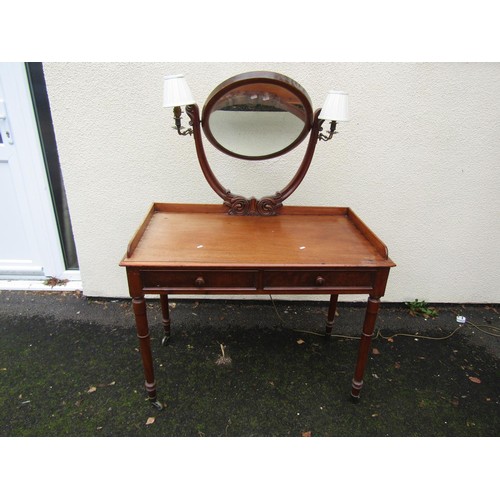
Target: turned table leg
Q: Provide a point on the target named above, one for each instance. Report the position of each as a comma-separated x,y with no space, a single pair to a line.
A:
141,321
364,346
165,319
331,314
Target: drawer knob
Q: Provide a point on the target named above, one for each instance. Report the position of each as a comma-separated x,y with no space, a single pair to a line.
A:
320,281
199,282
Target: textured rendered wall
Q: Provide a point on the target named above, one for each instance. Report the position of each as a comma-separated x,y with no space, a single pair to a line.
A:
419,163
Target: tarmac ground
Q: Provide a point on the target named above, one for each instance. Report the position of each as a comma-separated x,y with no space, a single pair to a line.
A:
70,366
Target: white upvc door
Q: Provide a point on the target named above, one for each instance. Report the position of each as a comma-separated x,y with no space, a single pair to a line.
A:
30,248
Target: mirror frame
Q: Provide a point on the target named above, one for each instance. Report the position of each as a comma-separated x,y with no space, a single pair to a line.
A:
268,205
248,78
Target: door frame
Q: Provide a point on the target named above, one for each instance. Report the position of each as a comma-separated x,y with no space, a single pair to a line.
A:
36,186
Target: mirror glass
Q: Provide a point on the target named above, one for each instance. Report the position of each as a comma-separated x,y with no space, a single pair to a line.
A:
257,119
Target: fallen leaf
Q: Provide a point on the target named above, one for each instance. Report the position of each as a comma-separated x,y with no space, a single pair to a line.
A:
397,364
52,281
475,380
150,421
375,351
306,434
300,342
92,389
106,385
390,339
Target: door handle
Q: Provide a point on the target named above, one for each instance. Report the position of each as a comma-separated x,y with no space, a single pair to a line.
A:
4,123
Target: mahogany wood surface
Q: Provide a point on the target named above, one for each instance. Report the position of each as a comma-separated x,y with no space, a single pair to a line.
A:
198,235
241,205
200,249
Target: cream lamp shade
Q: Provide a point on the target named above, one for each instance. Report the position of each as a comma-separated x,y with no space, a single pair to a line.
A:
336,107
176,92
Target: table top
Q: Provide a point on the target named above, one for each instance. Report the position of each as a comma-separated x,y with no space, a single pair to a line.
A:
190,235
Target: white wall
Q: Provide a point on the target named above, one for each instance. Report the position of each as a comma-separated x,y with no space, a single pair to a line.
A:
419,163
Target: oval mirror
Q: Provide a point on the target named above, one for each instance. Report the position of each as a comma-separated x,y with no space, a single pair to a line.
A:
257,115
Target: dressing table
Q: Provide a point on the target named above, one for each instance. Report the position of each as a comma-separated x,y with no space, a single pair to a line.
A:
254,246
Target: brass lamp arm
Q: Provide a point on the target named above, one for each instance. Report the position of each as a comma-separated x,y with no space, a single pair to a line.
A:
324,137
178,122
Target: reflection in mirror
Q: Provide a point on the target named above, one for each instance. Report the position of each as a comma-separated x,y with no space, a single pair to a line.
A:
270,132
258,119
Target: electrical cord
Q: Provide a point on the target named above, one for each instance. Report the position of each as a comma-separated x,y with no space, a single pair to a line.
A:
283,322
308,331
481,328
416,336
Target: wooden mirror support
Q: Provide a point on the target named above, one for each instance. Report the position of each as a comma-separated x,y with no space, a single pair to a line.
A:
269,205
238,204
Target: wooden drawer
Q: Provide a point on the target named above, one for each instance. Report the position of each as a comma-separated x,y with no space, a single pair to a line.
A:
318,279
199,280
